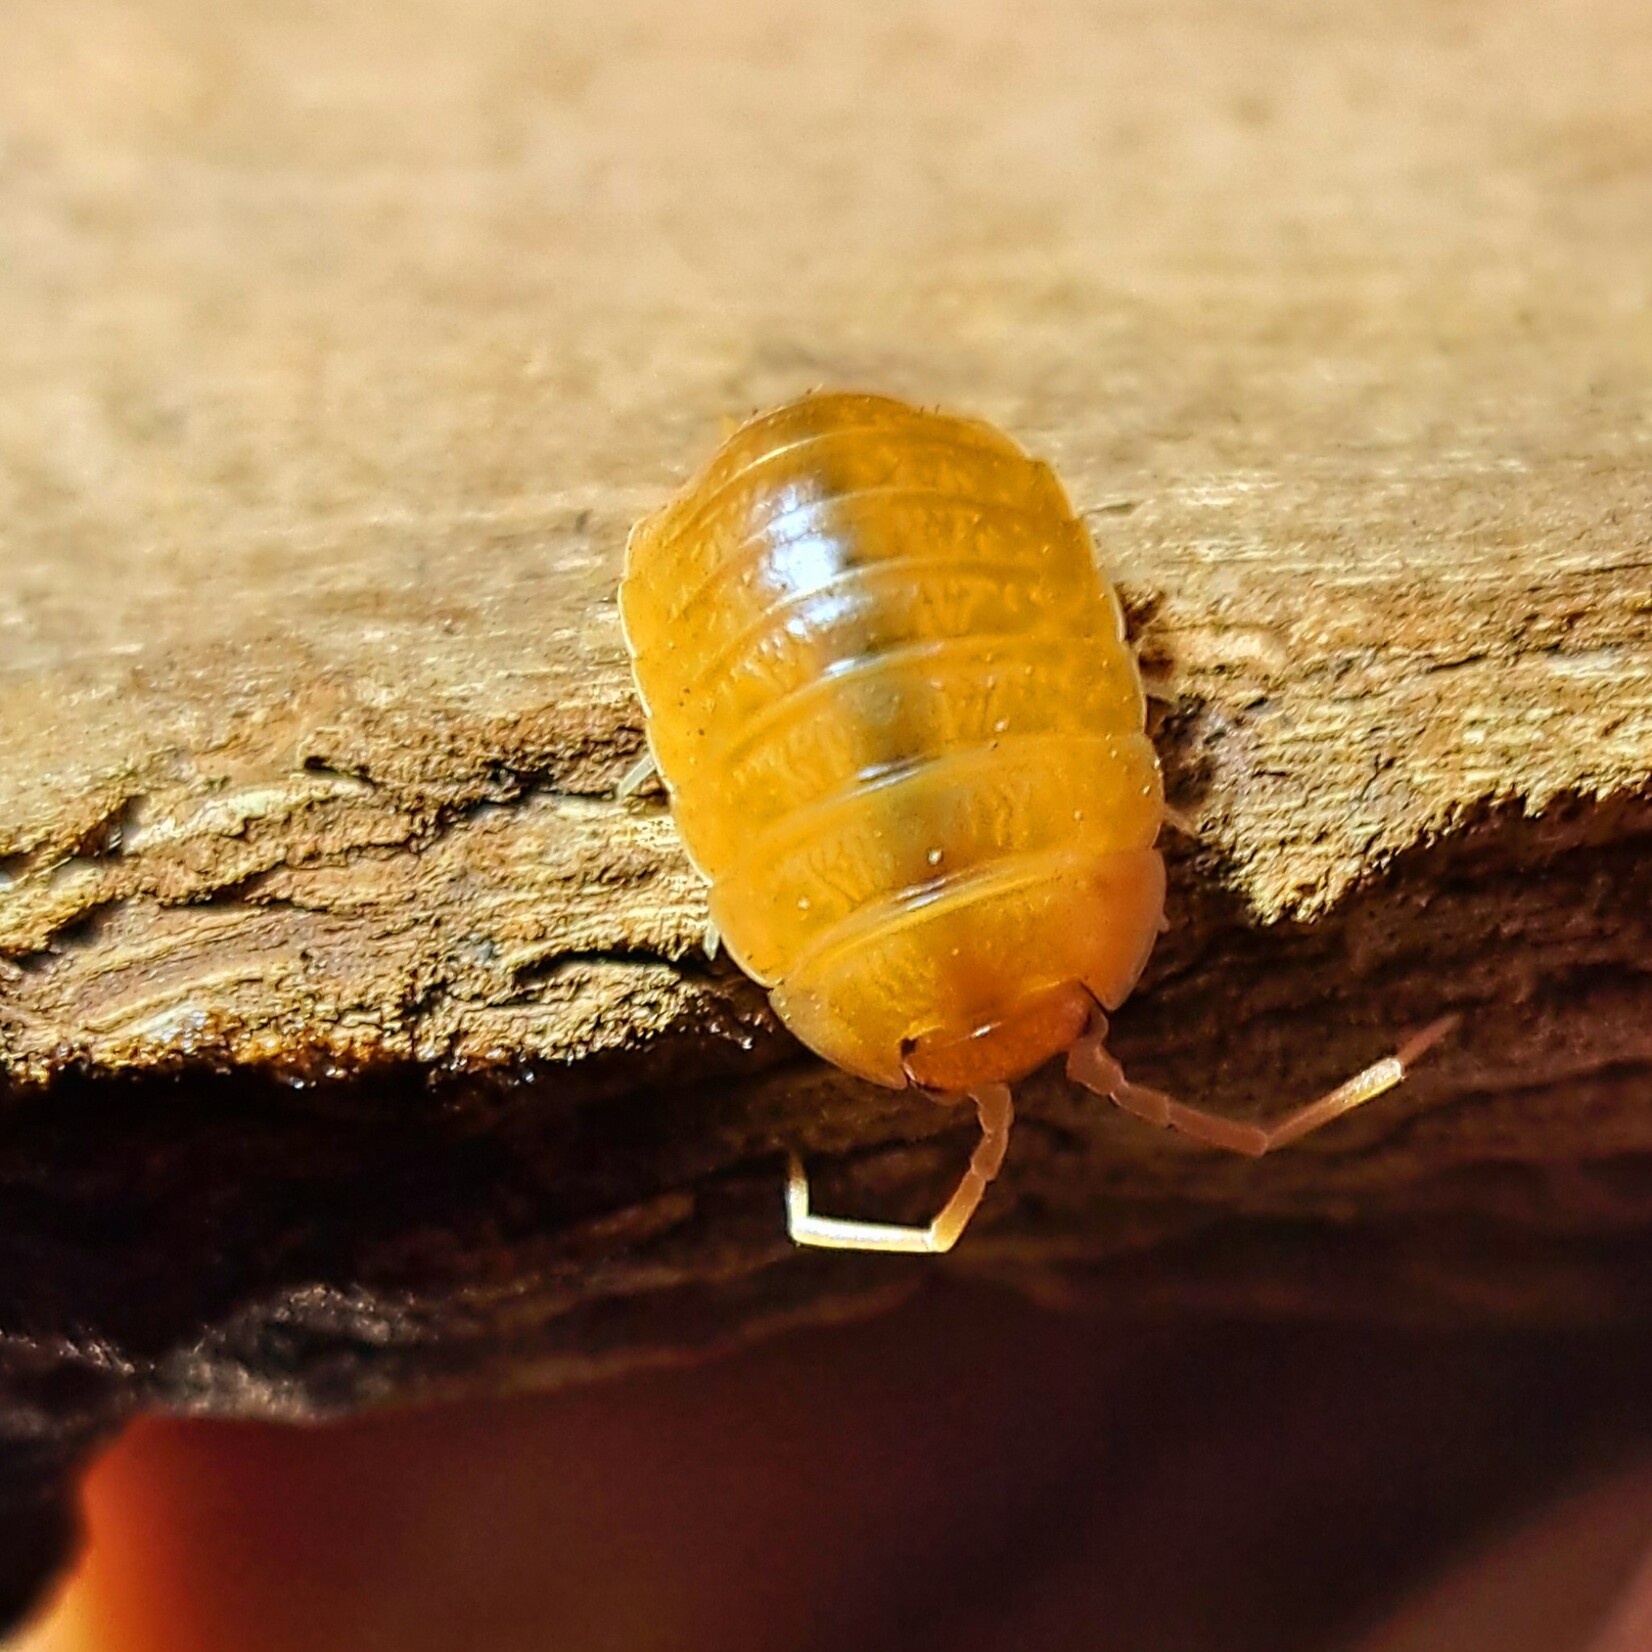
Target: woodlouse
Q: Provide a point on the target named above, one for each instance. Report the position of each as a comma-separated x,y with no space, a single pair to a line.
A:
904,736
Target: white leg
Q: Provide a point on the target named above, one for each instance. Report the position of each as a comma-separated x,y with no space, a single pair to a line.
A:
637,776
1089,1064
996,1111
711,939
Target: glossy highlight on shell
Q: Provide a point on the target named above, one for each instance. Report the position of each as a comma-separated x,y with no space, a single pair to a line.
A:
903,734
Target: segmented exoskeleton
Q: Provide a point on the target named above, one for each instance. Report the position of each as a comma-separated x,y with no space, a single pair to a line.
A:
890,694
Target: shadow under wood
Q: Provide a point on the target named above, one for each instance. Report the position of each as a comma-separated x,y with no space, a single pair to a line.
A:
224,1242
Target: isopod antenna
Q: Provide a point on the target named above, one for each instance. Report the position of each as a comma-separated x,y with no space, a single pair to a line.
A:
1090,1064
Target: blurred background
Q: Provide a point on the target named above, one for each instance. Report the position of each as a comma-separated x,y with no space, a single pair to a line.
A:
970,1473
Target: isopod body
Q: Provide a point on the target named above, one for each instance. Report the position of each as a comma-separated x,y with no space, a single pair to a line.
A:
903,733
890,695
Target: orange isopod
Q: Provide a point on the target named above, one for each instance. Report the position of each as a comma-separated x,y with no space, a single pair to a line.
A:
904,737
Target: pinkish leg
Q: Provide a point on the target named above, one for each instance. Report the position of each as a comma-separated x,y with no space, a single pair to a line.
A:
996,1111
1089,1064
1178,822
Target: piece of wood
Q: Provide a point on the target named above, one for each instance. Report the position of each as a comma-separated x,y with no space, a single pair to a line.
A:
323,428
340,348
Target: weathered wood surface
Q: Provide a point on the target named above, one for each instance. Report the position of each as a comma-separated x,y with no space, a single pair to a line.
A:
340,346
339,353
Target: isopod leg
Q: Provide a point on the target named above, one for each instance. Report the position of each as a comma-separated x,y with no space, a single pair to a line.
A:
996,1111
636,777
1089,1064
1180,824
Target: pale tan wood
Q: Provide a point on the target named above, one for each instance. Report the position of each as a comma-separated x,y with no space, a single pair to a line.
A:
341,348
339,351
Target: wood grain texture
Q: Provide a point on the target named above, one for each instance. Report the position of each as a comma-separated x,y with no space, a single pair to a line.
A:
340,352
340,349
